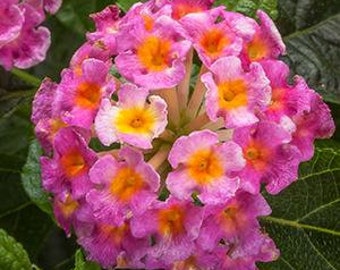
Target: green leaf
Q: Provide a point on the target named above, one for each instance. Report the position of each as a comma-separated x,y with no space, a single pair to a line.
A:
126,4
249,7
82,264
18,216
305,219
31,179
12,254
314,53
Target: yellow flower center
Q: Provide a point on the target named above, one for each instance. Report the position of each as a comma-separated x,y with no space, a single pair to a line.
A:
88,95
214,42
257,49
171,221
232,94
154,53
204,166
73,163
126,183
135,120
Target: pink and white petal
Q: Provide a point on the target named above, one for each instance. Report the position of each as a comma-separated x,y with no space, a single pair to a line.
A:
185,146
12,20
159,108
43,100
238,117
269,28
51,175
131,95
104,170
284,169
79,117
95,71
128,65
227,68
243,26
141,202
104,123
132,156
149,174
167,78
233,157
141,141
219,191
180,185
33,47
52,6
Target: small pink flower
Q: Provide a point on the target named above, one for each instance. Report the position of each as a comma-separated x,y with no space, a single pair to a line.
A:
69,167
136,119
204,166
174,225
270,157
29,47
79,95
124,187
234,94
210,39
156,58
266,43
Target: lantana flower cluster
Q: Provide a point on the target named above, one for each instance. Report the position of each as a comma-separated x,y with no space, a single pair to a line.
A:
23,42
154,165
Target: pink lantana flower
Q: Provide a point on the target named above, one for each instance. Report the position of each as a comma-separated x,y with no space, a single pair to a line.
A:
270,157
232,231
287,100
29,47
136,119
174,224
69,167
233,94
107,243
79,95
204,166
266,43
65,209
316,123
124,187
12,20
156,59
210,39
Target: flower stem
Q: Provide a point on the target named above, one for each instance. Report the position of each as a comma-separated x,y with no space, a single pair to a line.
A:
197,96
183,87
199,122
225,134
26,77
157,160
214,126
170,96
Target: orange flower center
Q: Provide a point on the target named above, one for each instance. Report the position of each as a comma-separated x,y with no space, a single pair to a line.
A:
257,155
171,221
126,183
204,166
277,100
181,10
68,207
214,42
232,94
116,234
257,49
88,95
73,163
154,53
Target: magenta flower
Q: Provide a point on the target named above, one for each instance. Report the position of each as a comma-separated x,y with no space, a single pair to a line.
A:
210,39
125,187
69,167
79,95
157,57
270,157
204,166
174,224
235,94
175,174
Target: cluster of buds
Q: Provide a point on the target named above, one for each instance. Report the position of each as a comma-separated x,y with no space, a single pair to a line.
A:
154,165
23,43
